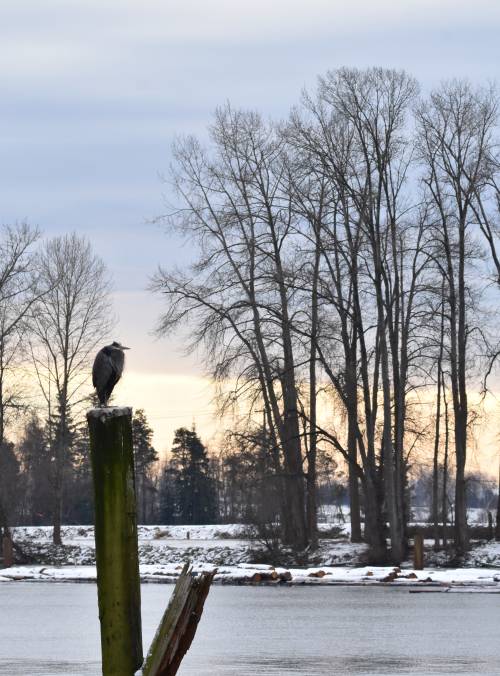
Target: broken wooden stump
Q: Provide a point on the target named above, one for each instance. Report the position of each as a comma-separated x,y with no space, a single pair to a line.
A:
178,625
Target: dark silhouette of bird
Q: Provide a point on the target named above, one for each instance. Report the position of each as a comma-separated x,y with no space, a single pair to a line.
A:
107,370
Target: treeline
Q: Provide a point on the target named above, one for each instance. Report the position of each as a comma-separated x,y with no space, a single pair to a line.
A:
345,261
237,484
28,474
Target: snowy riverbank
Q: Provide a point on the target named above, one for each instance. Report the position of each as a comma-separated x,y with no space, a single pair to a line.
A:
238,559
444,578
229,544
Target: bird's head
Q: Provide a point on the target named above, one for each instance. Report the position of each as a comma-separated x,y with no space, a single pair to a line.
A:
119,346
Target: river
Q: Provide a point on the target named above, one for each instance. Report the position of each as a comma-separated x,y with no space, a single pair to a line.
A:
51,629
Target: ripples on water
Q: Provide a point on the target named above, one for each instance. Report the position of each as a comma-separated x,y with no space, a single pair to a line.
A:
382,664
273,667
266,631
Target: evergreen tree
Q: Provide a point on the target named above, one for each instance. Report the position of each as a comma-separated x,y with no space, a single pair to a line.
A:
10,480
188,478
250,486
78,500
168,495
62,433
35,459
145,457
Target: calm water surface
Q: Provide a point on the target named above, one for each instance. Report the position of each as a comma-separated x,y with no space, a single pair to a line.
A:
51,629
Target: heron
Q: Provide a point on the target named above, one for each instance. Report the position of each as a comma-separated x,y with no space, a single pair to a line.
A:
107,370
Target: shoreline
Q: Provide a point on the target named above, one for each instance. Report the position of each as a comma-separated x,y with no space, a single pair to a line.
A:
437,579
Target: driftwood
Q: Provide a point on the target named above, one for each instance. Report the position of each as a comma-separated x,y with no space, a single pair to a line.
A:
178,625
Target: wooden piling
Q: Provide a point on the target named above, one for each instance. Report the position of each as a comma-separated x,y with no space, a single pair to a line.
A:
117,557
418,552
7,551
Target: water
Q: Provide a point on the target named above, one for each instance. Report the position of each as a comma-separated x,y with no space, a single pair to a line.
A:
51,629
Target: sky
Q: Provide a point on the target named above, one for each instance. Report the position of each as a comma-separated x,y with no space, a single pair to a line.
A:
93,94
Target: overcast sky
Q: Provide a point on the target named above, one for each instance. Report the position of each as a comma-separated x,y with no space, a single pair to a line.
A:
92,94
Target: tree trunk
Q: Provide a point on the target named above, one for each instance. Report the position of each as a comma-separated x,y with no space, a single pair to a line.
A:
57,500
374,524
60,460
312,510
461,530
354,503
311,507
390,483
497,525
352,442
295,533
444,508
435,465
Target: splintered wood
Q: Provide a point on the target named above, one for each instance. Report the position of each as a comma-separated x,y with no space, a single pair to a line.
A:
178,625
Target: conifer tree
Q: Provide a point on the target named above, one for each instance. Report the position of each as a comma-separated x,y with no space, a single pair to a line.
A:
193,488
145,457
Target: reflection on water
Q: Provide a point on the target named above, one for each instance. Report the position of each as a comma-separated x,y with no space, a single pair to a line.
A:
49,629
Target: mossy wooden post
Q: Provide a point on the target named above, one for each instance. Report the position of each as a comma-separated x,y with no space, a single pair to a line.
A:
116,540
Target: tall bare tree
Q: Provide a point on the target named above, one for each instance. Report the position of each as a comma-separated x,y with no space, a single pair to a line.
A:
70,320
19,290
356,129
238,294
456,128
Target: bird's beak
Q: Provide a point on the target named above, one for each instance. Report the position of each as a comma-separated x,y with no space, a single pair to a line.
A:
125,348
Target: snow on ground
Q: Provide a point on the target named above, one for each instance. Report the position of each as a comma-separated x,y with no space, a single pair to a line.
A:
485,579
229,544
485,555
229,548
157,544
78,533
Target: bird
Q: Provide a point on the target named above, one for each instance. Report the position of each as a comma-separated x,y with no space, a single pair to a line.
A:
107,370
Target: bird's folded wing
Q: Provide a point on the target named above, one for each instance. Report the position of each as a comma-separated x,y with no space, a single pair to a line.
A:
103,371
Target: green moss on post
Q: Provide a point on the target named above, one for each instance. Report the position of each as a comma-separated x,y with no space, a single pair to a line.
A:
116,540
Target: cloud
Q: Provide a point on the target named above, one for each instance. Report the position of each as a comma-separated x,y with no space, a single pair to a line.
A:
92,42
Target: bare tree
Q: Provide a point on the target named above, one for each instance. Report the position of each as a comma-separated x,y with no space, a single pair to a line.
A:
456,127
437,428
356,129
238,294
70,320
497,523
323,267
19,290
